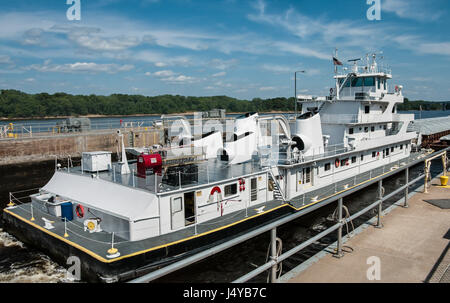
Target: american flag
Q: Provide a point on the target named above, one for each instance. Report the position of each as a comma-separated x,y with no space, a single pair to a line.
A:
336,61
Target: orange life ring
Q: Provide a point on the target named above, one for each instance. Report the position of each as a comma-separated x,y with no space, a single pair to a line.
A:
79,209
336,163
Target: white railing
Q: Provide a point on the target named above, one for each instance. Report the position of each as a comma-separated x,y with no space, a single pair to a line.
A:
359,118
20,130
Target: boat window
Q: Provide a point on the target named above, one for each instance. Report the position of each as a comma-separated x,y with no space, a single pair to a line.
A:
369,81
374,154
347,83
357,82
366,129
362,157
354,159
392,149
394,109
378,82
366,109
176,204
230,189
384,83
350,131
372,128
327,166
344,162
401,146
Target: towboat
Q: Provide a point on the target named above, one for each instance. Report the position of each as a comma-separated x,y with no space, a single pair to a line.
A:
211,181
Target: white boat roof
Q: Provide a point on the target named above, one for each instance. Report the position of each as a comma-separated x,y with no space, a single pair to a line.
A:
430,126
103,195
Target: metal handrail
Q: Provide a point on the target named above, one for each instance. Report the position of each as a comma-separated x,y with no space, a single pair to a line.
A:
273,225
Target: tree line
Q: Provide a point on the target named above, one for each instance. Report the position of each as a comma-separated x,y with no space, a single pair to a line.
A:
17,104
423,105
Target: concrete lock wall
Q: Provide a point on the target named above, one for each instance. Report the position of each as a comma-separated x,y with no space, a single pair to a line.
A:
23,150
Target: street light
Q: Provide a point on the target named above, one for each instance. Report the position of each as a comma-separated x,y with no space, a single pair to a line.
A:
295,97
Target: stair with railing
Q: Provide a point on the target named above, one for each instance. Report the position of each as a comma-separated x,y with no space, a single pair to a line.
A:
277,193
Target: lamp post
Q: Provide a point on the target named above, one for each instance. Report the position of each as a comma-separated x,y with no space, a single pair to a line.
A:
295,94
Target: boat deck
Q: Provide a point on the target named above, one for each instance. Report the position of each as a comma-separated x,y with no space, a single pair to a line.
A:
207,171
97,244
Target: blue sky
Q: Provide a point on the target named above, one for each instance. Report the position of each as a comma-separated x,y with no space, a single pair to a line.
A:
243,49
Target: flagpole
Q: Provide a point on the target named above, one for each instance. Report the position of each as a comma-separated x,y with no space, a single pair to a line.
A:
335,66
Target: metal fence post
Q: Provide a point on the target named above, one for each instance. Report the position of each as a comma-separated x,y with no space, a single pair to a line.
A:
273,254
380,205
405,205
179,178
339,240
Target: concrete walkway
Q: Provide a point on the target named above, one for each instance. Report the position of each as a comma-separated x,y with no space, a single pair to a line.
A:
413,246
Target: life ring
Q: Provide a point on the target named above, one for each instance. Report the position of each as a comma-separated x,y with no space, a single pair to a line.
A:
79,209
213,191
336,163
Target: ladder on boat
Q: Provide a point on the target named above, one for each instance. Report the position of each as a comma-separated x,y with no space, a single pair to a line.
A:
277,193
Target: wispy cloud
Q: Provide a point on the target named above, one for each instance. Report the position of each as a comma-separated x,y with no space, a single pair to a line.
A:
417,10
219,74
80,67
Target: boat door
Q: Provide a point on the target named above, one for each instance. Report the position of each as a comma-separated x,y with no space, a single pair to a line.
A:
177,211
307,177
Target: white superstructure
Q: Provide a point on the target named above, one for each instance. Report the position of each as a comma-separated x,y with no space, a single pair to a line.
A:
354,130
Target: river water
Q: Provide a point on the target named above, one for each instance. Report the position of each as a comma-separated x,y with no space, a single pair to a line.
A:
20,263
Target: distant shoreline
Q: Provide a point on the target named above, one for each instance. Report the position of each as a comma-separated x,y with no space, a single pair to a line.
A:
124,116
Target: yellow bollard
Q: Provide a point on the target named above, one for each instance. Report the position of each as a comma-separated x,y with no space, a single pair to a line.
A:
112,250
444,180
10,204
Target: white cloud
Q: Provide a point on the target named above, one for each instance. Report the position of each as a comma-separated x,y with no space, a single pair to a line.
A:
267,88
164,73
223,64
33,37
411,9
89,67
179,79
219,74
5,59
277,68
416,44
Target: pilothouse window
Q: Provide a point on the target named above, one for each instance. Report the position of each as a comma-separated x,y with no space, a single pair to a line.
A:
369,81
357,82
